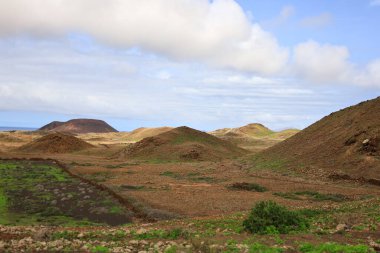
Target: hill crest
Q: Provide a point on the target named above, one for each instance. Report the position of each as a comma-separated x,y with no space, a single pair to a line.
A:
79,126
57,143
181,143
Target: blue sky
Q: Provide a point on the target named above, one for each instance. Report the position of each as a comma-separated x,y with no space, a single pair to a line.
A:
205,64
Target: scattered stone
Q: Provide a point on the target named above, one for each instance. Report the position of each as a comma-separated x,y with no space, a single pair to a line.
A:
42,234
141,231
341,228
134,242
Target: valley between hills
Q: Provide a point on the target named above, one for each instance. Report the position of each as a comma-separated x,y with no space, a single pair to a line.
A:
82,186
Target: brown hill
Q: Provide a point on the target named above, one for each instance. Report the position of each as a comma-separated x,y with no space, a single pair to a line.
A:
144,132
79,126
251,130
51,126
58,143
345,142
254,137
182,143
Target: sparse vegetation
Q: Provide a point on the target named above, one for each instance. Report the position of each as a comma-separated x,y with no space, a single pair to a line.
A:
247,187
45,194
270,217
312,195
334,248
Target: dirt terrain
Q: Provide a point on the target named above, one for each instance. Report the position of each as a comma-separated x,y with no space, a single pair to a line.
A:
346,142
79,126
253,137
184,190
55,143
180,144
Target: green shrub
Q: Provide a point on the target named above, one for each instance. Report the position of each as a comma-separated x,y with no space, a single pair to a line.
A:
100,249
270,217
247,187
334,248
260,248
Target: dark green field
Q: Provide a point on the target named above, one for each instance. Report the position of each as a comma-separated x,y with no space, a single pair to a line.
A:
41,193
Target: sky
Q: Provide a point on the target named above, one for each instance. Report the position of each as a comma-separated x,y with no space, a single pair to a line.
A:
204,64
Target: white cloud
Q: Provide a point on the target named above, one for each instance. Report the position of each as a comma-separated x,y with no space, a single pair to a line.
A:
330,64
375,3
217,32
320,20
321,63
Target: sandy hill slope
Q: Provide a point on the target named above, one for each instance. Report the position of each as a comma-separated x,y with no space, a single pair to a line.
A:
347,141
144,132
79,126
254,137
252,130
57,143
182,143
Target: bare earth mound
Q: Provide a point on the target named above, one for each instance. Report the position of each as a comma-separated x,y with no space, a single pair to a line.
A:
144,132
182,143
253,137
57,143
345,142
79,126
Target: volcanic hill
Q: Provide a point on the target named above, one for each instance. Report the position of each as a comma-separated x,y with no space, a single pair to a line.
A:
345,142
144,132
79,126
51,126
57,143
254,137
181,144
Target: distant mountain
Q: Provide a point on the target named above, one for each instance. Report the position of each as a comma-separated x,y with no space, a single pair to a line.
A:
79,126
51,126
345,142
181,144
254,137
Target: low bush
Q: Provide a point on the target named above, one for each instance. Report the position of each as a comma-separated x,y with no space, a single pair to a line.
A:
268,217
247,187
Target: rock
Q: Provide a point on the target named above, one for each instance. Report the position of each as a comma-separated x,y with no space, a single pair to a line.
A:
80,235
141,231
366,141
2,245
159,244
134,242
53,203
42,234
39,187
341,228
373,244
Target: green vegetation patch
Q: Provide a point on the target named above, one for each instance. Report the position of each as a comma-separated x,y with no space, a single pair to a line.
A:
41,193
247,187
192,176
268,217
312,195
334,248
268,163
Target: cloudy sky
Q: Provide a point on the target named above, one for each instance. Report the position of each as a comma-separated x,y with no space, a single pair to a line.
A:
205,64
